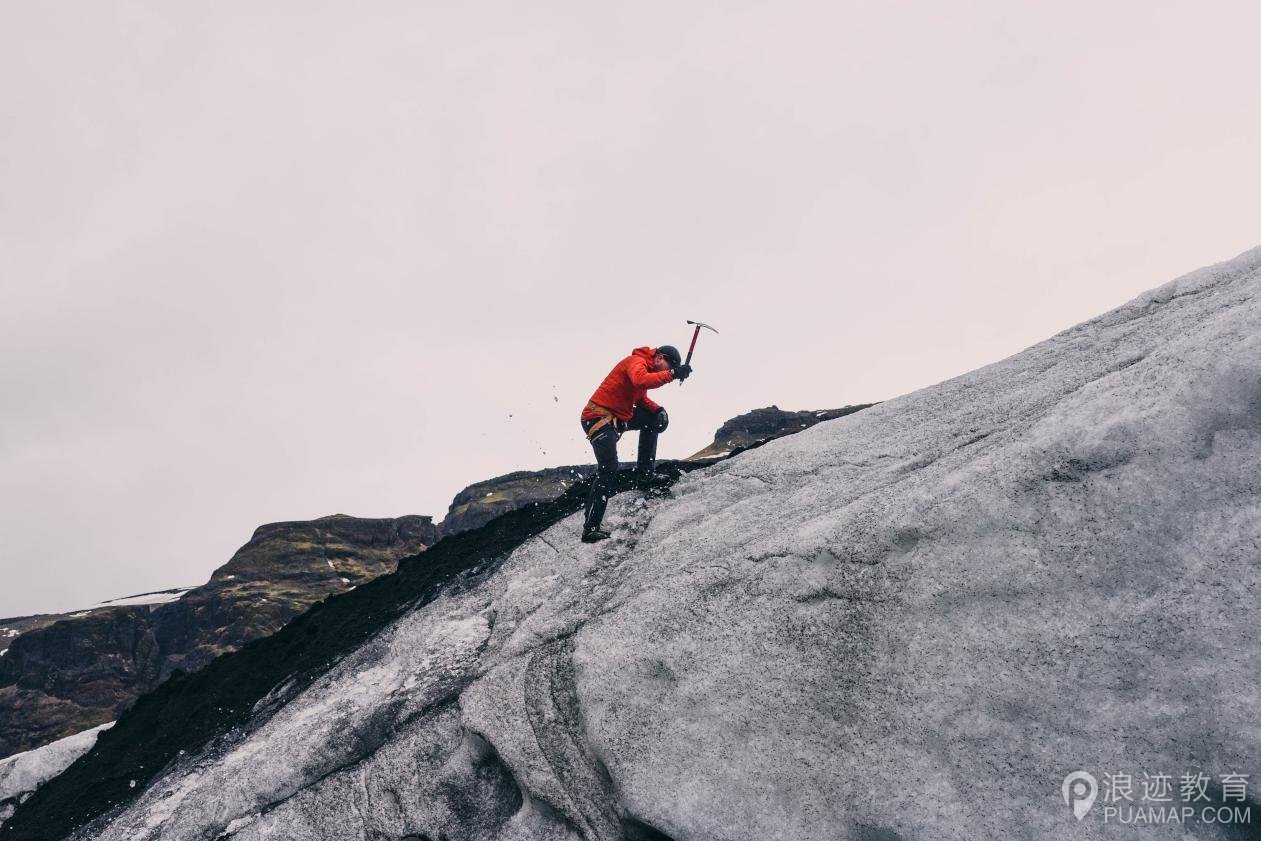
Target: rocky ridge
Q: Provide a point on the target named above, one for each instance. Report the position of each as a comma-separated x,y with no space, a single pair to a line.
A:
481,502
64,674
761,425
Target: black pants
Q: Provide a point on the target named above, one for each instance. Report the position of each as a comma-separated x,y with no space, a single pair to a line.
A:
604,442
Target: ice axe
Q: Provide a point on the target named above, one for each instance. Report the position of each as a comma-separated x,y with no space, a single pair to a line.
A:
695,334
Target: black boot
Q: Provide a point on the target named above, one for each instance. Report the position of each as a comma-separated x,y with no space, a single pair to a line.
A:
652,485
597,500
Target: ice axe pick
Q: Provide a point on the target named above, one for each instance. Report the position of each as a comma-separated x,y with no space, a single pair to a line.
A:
695,335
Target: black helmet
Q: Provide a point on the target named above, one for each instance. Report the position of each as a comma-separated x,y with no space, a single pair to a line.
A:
671,353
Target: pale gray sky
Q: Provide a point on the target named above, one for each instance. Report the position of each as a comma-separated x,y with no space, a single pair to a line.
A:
267,261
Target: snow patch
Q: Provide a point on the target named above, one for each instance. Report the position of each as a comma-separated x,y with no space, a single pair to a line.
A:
161,597
22,773
237,824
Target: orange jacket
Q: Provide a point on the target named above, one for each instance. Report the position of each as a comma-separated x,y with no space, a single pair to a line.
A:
628,384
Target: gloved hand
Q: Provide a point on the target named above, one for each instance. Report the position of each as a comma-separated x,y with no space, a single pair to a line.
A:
661,421
682,372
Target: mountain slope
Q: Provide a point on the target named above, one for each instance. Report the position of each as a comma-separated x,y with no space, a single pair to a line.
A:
907,623
202,711
82,670
75,671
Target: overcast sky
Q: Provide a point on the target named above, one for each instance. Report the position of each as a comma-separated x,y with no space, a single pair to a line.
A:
271,261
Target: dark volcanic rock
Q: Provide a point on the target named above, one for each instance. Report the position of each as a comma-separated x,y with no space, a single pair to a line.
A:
479,503
66,675
62,678
13,627
765,424
284,569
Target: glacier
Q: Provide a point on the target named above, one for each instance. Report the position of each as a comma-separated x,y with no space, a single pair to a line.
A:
907,623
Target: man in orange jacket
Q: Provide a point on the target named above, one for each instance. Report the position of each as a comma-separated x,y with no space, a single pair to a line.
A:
621,403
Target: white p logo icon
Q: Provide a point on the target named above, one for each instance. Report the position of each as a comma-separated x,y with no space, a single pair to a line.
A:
1080,790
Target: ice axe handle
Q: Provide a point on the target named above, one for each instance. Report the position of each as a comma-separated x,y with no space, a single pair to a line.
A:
695,334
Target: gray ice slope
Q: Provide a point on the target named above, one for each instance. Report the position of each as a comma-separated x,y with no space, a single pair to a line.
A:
22,773
908,623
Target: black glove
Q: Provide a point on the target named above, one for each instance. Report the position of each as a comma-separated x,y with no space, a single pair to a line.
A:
682,372
661,421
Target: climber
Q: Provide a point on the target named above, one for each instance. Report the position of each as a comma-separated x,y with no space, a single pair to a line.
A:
621,403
